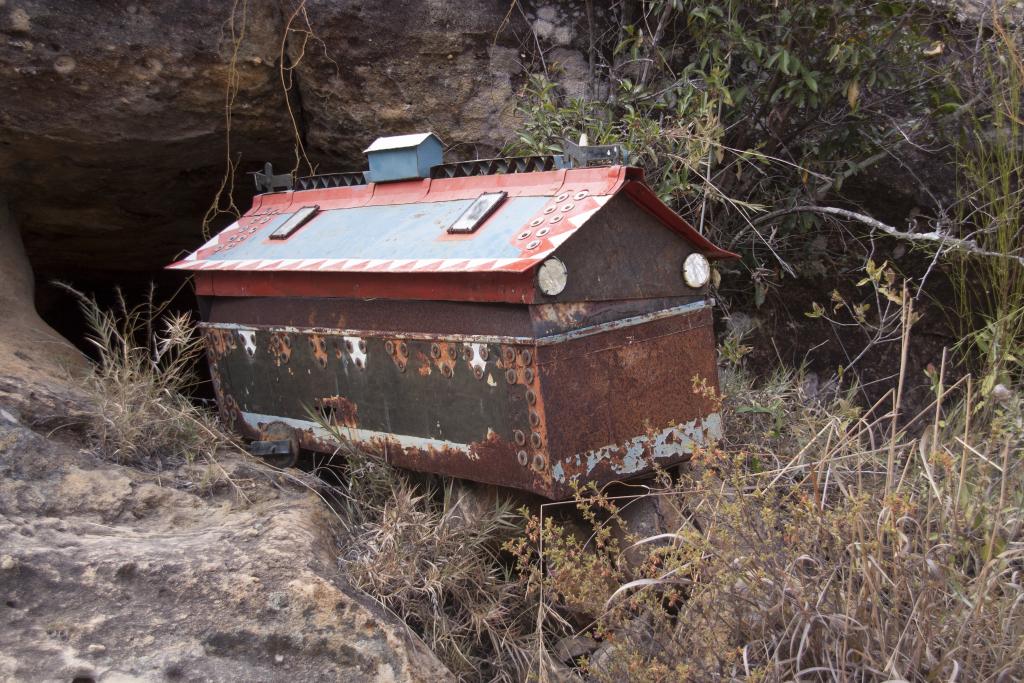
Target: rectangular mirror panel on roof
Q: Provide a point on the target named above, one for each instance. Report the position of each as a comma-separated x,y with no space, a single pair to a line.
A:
298,219
473,217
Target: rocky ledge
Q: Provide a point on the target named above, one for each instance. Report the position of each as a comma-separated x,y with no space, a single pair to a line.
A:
222,571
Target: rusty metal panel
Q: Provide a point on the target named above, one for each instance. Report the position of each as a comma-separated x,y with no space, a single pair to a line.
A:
530,413
617,401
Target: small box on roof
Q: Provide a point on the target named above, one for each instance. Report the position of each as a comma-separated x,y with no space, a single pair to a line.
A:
403,157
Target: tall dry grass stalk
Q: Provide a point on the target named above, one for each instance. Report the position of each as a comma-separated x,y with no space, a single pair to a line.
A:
429,550
825,547
990,292
140,386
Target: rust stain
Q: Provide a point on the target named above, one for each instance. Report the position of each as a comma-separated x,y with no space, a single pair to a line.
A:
230,412
444,355
220,342
423,363
319,346
493,449
280,348
565,315
342,411
398,349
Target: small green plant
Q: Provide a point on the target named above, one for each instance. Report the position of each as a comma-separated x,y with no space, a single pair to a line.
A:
732,350
141,411
731,107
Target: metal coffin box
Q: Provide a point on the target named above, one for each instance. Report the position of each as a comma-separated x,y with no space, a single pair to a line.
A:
536,329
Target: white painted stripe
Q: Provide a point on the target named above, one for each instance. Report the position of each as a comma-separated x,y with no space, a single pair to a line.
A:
401,263
561,237
582,217
424,263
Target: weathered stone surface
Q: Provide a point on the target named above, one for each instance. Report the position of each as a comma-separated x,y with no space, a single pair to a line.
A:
29,348
113,130
219,573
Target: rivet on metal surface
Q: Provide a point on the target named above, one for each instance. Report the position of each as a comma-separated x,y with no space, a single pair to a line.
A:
568,207
526,233
562,197
531,397
519,437
528,375
389,346
348,346
403,349
534,419
527,356
540,463
535,440
484,353
543,231
509,355
510,376
535,222
435,351
523,458
451,353
550,209
401,366
556,219
447,371
533,245
362,346
467,353
478,373
360,364
582,194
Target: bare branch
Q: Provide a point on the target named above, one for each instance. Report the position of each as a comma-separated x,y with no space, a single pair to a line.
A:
966,246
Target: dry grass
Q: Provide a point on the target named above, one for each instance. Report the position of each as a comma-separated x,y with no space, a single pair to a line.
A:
822,541
788,553
430,552
141,413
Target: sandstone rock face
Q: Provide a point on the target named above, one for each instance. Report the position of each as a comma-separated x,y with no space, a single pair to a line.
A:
111,574
113,132
29,348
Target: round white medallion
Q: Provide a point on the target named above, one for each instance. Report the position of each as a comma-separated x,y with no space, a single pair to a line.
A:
696,270
552,276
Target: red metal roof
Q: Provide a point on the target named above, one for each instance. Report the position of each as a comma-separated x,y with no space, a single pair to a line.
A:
351,249
575,195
